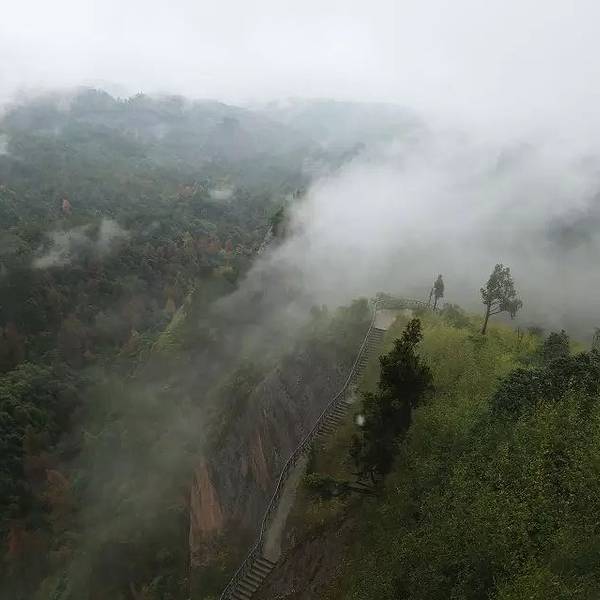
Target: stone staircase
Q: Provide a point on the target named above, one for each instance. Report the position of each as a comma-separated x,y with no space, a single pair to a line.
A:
373,344
337,414
253,578
257,567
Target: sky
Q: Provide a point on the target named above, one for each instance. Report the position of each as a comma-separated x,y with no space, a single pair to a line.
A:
491,62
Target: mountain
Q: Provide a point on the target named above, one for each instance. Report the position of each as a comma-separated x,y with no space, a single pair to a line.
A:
137,359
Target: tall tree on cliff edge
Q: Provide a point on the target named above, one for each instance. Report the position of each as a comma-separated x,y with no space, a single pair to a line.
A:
387,413
499,295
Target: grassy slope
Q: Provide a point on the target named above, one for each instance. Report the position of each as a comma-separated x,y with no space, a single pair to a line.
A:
452,362
475,507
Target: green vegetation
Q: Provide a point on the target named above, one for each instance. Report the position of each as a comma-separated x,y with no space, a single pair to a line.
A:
494,492
127,349
556,345
113,247
387,414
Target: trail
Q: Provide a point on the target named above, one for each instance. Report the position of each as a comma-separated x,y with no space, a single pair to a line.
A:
263,556
274,536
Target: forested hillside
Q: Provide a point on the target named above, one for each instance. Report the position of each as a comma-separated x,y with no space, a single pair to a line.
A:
121,222
110,213
492,489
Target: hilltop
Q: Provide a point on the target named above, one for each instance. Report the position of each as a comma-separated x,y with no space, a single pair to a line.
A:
494,487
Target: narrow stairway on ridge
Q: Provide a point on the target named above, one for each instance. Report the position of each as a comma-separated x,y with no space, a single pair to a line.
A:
264,556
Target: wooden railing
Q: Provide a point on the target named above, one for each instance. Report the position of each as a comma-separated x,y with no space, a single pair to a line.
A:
396,302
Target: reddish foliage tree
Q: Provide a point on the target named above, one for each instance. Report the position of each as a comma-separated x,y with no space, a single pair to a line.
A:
16,541
58,493
12,347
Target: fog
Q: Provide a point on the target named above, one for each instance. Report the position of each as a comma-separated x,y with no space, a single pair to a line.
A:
508,171
394,219
65,246
493,62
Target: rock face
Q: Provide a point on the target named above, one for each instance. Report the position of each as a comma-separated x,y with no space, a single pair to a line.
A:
206,511
311,566
233,485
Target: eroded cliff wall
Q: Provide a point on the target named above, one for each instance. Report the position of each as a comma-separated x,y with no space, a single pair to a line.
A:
234,481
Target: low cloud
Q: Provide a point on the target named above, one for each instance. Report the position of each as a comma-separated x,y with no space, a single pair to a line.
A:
3,144
450,204
221,193
66,246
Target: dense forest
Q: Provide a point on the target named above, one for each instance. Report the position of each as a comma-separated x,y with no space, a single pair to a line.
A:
122,222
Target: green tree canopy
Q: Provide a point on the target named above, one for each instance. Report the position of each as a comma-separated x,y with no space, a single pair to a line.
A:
386,414
556,345
499,295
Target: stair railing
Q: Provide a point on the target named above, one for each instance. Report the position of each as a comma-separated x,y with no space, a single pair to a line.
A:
291,462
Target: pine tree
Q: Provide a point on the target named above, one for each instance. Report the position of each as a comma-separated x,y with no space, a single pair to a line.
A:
387,414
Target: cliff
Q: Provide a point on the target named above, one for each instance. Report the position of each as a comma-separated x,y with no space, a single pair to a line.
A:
311,564
234,481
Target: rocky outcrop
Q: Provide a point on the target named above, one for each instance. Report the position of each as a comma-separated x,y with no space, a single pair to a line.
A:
206,512
233,485
311,567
